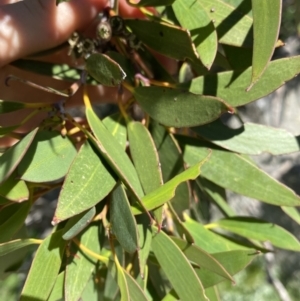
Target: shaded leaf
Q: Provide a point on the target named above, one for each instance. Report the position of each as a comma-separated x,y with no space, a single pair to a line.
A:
252,228
200,26
292,213
231,85
4,130
123,224
179,108
14,221
177,268
11,158
105,70
45,265
250,138
166,39
57,293
11,106
82,184
48,158
239,174
152,3
266,24
77,223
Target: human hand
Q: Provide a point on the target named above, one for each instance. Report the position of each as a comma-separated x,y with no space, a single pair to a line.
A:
30,26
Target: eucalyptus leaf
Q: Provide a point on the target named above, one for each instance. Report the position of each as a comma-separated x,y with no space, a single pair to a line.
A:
45,265
10,246
122,222
82,184
151,3
6,130
57,293
105,70
266,24
11,106
292,213
253,228
48,158
12,157
179,108
177,268
250,138
200,26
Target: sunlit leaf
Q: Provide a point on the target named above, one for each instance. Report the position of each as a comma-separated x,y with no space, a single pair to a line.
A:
10,246
57,292
82,184
266,24
11,158
48,158
250,138
200,26
292,213
260,230
45,265
150,2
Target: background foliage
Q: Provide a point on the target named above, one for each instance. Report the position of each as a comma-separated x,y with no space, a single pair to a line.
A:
176,158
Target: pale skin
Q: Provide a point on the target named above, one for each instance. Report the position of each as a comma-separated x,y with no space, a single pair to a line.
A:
31,26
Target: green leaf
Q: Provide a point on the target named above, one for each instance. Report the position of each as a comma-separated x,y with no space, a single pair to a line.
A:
179,108
135,291
210,241
4,130
144,156
10,246
45,265
116,125
202,258
166,192
231,85
166,39
77,223
252,228
292,213
212,293
172,164
14,221
233,26
234,172
232,261
14,189
177,268
105,70
10,106
266,24
250,138
80,269
193,17
82,184
114,154
57,293
123,224
48,158
122,283
11,158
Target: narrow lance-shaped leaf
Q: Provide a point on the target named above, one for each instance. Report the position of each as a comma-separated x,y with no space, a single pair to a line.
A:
82,184
10,106
57,292
45,265
150,3
177,268
121,279
165,192
232,171
266,24
292,213
260,230
77,223
230,86
80,269
250,138
193,17
123,224
10,246
11,158
48,158
179,108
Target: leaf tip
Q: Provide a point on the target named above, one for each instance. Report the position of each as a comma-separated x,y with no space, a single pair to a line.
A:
55,221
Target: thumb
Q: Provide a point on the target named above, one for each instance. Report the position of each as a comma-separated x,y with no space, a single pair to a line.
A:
31,26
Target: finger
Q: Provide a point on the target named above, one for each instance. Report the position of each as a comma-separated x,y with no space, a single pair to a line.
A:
30,26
